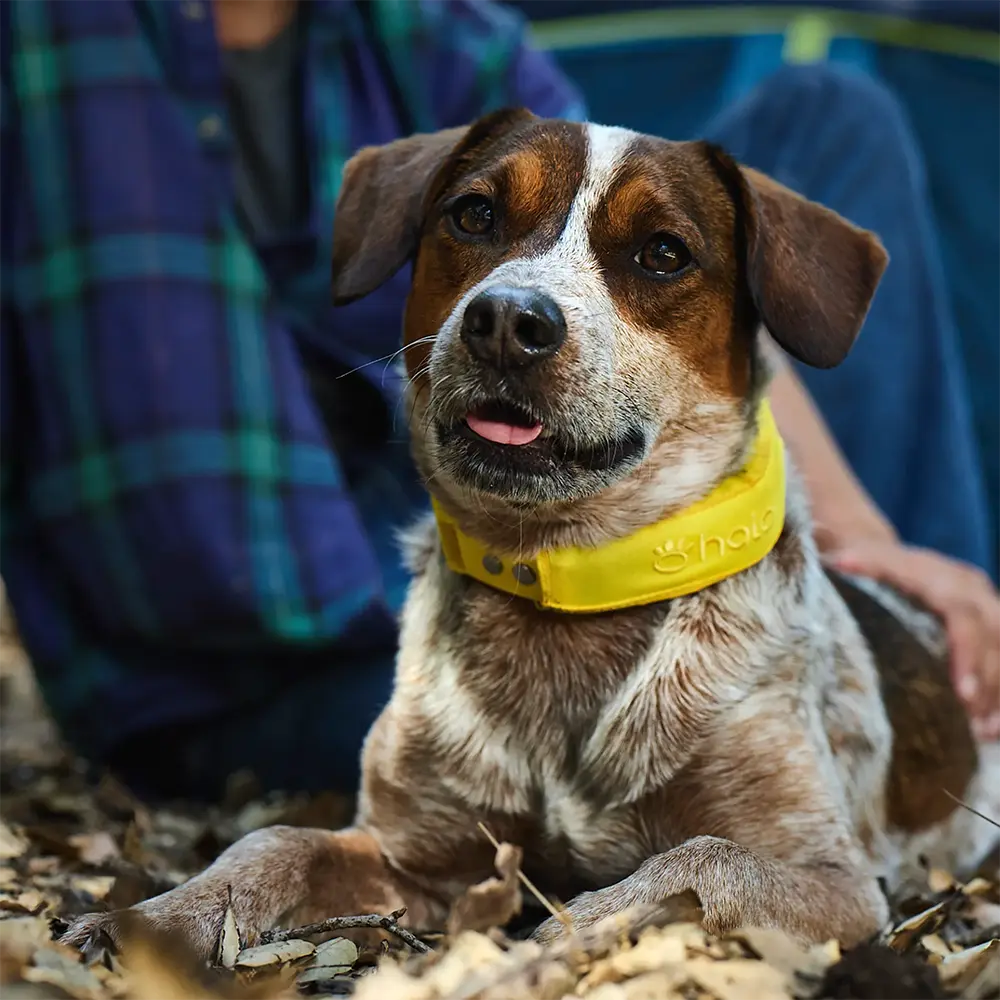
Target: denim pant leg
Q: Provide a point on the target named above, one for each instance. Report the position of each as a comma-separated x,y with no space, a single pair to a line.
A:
899,405
307,737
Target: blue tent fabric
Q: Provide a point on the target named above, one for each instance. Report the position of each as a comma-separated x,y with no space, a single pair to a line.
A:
980,14
676,86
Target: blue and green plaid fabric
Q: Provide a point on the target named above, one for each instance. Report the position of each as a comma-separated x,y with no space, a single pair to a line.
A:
179,537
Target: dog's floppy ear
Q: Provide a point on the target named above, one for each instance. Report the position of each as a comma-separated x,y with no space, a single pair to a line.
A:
812,274
384,195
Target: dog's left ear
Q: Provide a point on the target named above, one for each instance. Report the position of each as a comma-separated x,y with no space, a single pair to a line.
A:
384,195
811,273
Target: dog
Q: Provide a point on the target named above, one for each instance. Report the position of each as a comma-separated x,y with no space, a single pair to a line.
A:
620,650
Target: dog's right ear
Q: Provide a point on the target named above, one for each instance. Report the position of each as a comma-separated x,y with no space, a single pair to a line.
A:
384,195
811,273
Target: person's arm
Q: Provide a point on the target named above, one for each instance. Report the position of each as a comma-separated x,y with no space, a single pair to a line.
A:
853,535
842,510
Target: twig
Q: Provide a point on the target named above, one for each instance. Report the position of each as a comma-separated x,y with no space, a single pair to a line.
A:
374,920
965,805
561,915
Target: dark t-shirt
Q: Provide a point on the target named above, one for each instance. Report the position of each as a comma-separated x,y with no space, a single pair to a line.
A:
263,87
271,181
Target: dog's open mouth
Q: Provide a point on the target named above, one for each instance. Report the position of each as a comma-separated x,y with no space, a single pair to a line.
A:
503,423
504,447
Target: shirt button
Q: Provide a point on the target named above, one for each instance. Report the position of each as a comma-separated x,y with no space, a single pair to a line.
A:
210,127
193,10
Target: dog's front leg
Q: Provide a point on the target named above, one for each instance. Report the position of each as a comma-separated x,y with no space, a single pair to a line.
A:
769,839
738,888
276,876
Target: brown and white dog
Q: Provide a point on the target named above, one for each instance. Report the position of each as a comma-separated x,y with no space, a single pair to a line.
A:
585,359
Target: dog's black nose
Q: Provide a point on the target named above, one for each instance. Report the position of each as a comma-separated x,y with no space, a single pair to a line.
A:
512,327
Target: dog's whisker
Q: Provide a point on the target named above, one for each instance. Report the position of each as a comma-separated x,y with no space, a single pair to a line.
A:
388,358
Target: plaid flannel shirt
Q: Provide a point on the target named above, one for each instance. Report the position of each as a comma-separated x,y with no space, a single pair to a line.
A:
179,536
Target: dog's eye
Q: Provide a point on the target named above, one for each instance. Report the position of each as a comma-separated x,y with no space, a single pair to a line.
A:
663,254
473,214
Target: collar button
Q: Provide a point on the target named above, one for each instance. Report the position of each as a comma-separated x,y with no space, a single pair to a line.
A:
492,564
524,574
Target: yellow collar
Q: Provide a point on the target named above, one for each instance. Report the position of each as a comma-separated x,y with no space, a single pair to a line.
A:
728,531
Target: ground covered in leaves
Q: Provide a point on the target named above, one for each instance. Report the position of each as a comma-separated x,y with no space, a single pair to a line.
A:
69,845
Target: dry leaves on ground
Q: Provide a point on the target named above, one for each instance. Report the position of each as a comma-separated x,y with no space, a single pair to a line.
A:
69,846
942,943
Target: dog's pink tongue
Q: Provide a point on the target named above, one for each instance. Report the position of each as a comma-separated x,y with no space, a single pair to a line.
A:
501,433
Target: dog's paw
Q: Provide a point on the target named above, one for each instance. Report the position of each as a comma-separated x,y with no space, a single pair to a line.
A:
583,911
195,920
621,901
549,931
95,933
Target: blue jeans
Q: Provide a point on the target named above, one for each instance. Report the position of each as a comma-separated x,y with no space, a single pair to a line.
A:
898,408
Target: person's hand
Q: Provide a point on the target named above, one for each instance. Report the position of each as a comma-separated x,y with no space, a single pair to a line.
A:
965,599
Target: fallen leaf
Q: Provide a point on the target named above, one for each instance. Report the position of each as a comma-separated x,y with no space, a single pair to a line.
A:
938,880
610,991
335,952
20,937
12,845
61,967
738,979
133,849
47,865
987,982
935,945
978,887
30,902
779,951
468,953
322,974
660,985
229,940
95,848
544,981
927,921
279,953
981,912
97,886
257,815
653,951
491,903
959,970
392,983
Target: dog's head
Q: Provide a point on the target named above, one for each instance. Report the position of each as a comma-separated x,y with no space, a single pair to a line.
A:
581,332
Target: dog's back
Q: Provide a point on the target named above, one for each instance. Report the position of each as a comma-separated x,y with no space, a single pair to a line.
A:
937,772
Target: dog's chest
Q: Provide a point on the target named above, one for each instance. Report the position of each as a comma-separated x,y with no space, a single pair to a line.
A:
559,724
511,694
541,678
